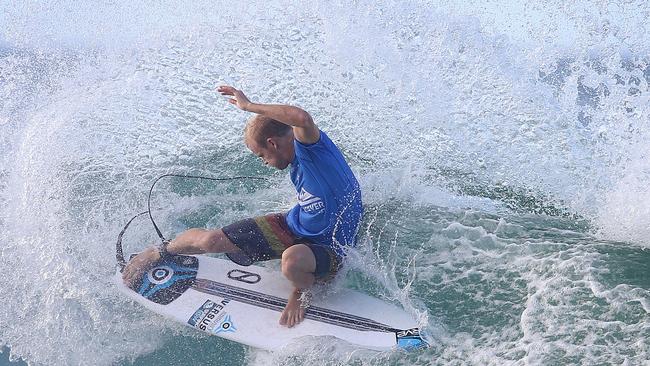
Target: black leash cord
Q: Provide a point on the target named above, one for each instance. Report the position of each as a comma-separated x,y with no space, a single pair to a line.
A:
119,254
160,235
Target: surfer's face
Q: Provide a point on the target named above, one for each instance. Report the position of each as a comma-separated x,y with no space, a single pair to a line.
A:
274,153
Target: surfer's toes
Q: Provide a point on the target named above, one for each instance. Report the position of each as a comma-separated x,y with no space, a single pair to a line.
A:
301,315
283,318
293,313
296,317
287,318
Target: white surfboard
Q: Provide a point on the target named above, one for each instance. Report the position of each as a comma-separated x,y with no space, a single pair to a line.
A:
244,304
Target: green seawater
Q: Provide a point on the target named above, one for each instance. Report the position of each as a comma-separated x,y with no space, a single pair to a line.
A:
491,287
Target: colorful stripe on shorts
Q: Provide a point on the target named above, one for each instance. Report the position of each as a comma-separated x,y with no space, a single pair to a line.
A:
278,236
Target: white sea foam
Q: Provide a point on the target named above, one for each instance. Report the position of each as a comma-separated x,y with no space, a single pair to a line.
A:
451,115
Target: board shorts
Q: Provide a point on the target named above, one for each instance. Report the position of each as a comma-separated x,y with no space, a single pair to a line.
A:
266,237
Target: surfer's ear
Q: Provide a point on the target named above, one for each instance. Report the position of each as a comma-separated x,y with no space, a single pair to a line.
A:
271,142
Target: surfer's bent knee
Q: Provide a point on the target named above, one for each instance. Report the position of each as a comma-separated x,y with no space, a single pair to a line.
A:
298,258
320,260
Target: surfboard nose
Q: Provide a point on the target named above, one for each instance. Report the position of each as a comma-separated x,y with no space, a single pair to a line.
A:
411,339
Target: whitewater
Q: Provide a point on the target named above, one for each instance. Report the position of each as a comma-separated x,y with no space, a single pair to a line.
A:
502,149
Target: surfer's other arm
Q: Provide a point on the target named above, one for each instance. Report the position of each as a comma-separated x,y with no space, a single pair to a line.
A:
304,128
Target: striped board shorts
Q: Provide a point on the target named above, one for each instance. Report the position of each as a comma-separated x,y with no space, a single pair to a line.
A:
266,237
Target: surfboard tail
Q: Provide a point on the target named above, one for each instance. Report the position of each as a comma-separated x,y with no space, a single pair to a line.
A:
168,280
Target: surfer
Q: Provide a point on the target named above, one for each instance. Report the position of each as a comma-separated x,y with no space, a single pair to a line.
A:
310,239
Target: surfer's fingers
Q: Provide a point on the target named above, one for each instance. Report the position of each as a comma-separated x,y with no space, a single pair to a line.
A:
226,90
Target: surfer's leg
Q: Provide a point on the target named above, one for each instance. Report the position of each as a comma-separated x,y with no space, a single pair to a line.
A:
268,237
298,266
303,264
197,241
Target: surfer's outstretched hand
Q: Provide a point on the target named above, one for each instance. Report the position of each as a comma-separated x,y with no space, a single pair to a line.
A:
239,99
138,265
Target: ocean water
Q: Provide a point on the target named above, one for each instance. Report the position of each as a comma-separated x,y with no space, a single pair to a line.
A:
502,148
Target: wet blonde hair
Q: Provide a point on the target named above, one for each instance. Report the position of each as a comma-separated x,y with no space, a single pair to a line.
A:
259,128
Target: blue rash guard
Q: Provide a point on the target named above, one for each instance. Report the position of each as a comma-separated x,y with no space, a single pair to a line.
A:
329,206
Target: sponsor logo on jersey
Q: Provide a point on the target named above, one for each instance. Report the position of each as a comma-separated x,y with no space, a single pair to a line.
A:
310,203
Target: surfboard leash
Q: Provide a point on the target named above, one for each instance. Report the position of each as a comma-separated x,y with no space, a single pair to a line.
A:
119,254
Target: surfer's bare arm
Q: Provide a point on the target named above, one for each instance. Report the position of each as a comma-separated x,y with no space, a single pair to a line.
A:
304,128
192,241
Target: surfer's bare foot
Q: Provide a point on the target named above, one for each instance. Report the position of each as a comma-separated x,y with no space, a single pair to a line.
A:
138,265
293,313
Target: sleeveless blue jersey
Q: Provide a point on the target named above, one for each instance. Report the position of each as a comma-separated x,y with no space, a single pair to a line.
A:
329,206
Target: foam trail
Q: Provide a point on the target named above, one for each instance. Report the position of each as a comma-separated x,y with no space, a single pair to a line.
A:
499,144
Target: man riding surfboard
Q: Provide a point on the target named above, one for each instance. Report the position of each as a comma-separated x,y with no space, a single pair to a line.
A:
310,239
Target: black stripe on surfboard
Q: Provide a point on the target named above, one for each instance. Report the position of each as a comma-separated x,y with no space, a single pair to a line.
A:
278,304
